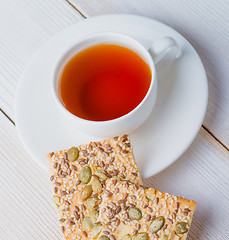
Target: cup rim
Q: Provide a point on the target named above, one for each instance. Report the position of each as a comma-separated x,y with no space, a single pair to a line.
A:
58,70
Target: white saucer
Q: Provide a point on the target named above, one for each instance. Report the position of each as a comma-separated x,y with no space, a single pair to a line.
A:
170,129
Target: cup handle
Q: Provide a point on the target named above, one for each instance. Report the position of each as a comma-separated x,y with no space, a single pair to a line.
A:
164,51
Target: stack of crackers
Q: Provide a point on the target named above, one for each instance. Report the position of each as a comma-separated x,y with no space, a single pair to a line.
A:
99,195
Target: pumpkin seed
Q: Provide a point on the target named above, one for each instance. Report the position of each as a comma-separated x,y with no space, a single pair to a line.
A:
85,175
96,230
96,185
150,193
87,224
100,174
91,202
181,227
141,236
73,154
157,224
94,215
126,237
104,237
86,192
56,200
135,213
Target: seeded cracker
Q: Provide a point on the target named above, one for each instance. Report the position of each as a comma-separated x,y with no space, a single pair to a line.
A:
79,177
132,212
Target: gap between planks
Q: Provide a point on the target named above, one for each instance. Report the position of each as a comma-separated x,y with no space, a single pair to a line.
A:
7,117
76,9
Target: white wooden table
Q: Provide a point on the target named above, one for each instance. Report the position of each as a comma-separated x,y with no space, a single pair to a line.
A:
201,174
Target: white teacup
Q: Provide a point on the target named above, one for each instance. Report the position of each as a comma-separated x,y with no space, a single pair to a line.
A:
160,54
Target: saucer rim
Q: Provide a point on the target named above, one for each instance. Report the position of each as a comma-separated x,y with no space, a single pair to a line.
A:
204,98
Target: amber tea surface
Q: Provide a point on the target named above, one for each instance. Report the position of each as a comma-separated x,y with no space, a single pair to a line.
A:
104,82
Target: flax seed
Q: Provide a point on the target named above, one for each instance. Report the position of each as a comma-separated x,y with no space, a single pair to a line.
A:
115,173
116,190
127,144
95,144
121,201
90,147
84,233
77,216
136,187
74,167
78,182
149,209
187,210
69,171
185,213
135,232
112,160
81,215
170,220
118,210
106,232
133,197
109,194
153,217
122,175
72,191
65,209
177,205
101,149
119,148
63,193
58,167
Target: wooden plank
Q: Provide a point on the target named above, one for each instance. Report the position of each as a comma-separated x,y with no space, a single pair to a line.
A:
27,211
24,26
206,25
26,208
